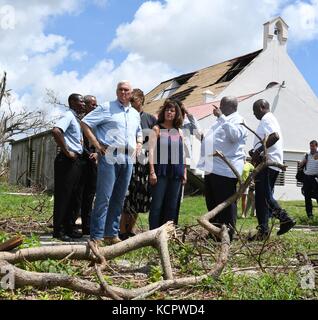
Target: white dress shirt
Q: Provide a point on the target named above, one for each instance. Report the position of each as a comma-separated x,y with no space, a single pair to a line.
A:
228,136
268,125
190,128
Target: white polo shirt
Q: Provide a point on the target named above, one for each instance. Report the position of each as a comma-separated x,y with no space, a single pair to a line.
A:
268,125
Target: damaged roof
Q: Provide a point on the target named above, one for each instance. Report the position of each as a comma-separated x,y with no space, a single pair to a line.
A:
189,87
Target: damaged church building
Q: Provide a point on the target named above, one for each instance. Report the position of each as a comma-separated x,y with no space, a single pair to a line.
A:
268,73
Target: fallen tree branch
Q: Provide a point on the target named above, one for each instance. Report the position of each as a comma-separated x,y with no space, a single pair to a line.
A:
39,280
101,259
164,252
83,252
109,292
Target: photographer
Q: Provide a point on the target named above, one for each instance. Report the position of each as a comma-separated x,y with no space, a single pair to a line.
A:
310,188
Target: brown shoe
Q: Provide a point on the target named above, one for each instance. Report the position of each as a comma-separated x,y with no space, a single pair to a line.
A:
98,242
111,240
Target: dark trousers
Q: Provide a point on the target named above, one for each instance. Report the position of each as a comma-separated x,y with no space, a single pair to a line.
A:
265,203
218,189
86,194
67,175
310,190
164,204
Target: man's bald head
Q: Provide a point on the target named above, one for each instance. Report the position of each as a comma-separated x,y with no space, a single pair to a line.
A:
228,105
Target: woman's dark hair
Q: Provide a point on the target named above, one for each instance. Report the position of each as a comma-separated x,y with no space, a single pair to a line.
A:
178,119
181,106
139,94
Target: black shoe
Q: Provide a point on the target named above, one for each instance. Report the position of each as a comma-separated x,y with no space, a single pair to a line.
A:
74,234
123,236
61,236
130,234
85,231
77,227
310,216
285,226
285,222
260,235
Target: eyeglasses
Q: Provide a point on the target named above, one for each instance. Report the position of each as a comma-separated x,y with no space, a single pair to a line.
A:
123,89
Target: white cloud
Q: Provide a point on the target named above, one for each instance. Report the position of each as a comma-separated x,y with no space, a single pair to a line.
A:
188,34
31,57
302,17
26,53
102,79
78,55
163,37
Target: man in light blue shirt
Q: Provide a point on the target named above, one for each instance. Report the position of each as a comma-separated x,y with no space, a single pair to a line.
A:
114,129
228,136
67,168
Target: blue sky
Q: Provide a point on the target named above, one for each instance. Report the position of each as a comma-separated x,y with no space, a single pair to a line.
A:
92,31
305,58
87,46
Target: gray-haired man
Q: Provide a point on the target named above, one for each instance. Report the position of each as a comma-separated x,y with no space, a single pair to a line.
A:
117,134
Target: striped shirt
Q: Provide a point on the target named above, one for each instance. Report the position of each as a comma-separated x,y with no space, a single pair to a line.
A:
311,167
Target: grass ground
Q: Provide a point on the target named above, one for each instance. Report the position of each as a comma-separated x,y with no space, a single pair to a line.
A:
240,279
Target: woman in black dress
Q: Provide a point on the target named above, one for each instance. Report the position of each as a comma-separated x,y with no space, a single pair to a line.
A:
139,196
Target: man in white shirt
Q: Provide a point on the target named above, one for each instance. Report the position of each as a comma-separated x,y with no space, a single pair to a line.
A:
265,204
311,172
228,136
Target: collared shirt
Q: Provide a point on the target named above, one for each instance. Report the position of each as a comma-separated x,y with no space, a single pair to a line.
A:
190,128
311,166
115,125
228,136
147,120
71,128
268,125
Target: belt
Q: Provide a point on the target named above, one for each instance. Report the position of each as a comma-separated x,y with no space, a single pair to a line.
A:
120,150
79,156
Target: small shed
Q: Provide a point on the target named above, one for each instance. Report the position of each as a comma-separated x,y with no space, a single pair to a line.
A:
32,161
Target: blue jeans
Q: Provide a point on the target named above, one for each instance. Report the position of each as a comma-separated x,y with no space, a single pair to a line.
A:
164,204
111,187
265,203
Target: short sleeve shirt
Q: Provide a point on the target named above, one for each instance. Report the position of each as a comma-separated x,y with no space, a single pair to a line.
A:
71,128
268,125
